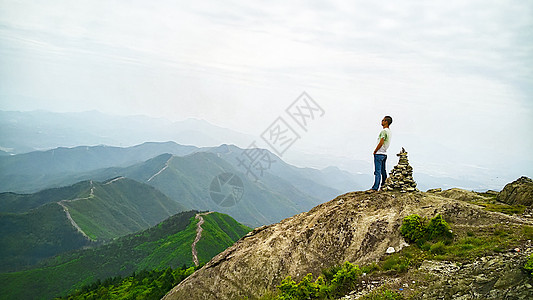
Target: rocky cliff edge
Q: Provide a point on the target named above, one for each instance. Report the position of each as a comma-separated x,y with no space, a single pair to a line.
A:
357,227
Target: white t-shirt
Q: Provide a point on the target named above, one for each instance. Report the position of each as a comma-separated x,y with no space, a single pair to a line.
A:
386,134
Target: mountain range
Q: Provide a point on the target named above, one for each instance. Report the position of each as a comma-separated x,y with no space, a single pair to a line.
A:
106,192
184,174
40,225
23,132
37,170
41,130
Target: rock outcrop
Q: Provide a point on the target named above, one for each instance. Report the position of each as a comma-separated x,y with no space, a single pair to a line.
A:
355,227
459,194
401,176
486,278
499,276
519,191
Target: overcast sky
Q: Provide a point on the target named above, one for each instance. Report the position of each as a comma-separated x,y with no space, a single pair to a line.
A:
456,76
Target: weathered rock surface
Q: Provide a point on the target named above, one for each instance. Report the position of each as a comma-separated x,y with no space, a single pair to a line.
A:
491,277
519,191
355,227
496,277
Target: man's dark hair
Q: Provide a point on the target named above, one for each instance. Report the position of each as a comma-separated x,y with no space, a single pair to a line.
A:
388,119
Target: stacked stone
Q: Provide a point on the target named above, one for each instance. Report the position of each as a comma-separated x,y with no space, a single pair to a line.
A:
401,177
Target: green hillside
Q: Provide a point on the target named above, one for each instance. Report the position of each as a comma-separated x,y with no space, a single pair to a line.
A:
144,285
40,233
37,226
219,229
120,207
166,245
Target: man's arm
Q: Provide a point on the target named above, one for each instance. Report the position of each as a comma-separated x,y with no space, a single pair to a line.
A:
381,141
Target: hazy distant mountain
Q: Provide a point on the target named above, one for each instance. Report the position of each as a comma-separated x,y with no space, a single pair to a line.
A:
166,245
34,171
30,172
40,130
323,184
35,226
22,132
188,180
277,194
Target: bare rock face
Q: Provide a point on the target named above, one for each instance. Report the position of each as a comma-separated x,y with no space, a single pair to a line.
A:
355,227
490,277
519,191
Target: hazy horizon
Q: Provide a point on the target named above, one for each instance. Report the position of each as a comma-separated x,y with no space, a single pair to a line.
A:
93,128
453,75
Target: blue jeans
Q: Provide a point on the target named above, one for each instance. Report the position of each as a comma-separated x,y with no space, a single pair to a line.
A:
379,170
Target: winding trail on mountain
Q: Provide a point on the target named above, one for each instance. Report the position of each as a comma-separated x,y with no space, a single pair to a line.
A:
199,230
164,168
113,180
69,217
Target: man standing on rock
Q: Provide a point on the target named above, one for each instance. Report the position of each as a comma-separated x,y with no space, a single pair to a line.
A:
380,153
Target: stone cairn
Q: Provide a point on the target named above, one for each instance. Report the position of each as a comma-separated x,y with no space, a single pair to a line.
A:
401,177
